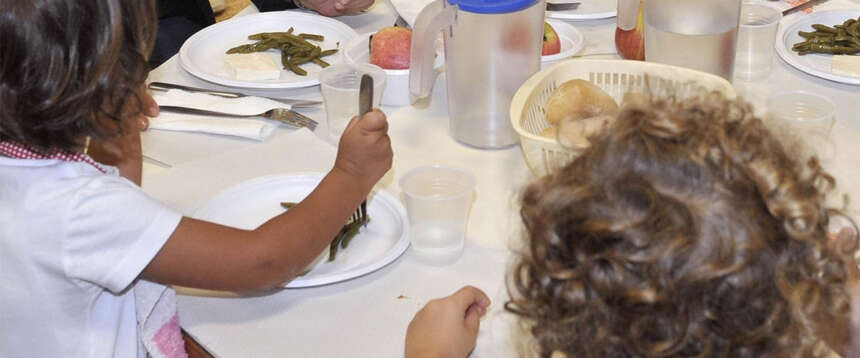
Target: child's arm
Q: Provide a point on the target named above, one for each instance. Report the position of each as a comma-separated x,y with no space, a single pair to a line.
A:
206,255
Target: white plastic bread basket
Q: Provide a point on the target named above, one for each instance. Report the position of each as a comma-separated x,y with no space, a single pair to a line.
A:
617,77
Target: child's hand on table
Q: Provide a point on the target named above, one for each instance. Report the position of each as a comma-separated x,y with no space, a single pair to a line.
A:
364,152
447,327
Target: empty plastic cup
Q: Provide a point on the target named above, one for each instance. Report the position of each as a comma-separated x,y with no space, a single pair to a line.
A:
756,38
339,85
438,199
806,120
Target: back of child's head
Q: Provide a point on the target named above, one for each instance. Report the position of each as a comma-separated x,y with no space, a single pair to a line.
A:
71,68
685,230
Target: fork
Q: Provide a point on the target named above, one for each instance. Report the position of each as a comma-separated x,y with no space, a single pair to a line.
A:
283,115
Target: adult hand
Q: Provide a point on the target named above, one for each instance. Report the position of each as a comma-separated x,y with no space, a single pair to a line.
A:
447,327
125,152
337,7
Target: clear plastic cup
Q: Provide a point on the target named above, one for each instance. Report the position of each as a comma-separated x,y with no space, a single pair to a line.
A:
804,119
438,199
756,38
339,85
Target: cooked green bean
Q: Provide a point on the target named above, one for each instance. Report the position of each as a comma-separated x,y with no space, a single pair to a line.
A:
841,39
296,69
824,28
295,49
322,63
343,237
314,37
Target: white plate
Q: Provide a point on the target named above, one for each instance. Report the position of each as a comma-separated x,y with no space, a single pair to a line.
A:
202,54
587,10
249,204
572,42
813,64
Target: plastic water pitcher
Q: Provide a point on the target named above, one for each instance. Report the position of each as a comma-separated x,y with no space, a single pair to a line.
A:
491,48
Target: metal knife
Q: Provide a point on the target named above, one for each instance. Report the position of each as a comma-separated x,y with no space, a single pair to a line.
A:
801,6
365,95
295,103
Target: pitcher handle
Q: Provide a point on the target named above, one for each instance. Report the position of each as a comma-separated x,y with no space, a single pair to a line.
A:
430,21
628,14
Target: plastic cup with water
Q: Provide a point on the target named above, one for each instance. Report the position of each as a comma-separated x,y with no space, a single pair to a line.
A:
438,200
339,85
756,39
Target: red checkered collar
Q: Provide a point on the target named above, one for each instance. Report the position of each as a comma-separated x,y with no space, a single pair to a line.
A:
20,151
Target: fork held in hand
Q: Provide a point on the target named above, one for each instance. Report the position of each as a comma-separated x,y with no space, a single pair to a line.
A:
284,115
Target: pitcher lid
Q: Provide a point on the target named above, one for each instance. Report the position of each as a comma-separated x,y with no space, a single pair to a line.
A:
493,6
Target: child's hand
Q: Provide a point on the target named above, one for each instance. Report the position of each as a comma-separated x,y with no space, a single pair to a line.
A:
364,151
447,327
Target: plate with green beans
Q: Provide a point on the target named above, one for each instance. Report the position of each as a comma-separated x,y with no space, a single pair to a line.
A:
810,43
301,44
382,240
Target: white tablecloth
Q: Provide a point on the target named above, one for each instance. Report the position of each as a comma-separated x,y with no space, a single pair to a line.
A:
367,316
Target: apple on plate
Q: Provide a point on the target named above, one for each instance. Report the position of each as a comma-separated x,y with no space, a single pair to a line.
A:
551,41
390,46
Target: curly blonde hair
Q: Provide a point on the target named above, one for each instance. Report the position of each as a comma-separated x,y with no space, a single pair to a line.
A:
685,230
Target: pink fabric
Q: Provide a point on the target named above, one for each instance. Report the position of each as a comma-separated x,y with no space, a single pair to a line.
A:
20,151
169,338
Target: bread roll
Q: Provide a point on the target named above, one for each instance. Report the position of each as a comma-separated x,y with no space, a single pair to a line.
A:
578,99
576,133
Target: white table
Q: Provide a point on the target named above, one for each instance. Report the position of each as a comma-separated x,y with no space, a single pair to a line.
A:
367,316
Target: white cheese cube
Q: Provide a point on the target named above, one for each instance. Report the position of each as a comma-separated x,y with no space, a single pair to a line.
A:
253,66
846,65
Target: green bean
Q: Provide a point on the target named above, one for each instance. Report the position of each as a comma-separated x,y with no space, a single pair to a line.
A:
328,52
288,205
322,63
296,69
808,35
840,39
351,231
314,37
833,49
335,243
824,28
295,49
242,49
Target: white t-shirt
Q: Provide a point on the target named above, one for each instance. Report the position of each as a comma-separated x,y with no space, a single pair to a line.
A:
72,242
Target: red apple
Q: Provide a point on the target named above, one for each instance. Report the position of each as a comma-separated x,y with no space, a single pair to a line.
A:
389,48
630,43
551,42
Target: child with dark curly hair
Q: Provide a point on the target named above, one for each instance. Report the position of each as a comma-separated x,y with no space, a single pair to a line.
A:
77,232
685,230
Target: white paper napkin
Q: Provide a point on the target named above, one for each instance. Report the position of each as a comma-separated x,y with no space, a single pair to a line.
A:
409,9
253,128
